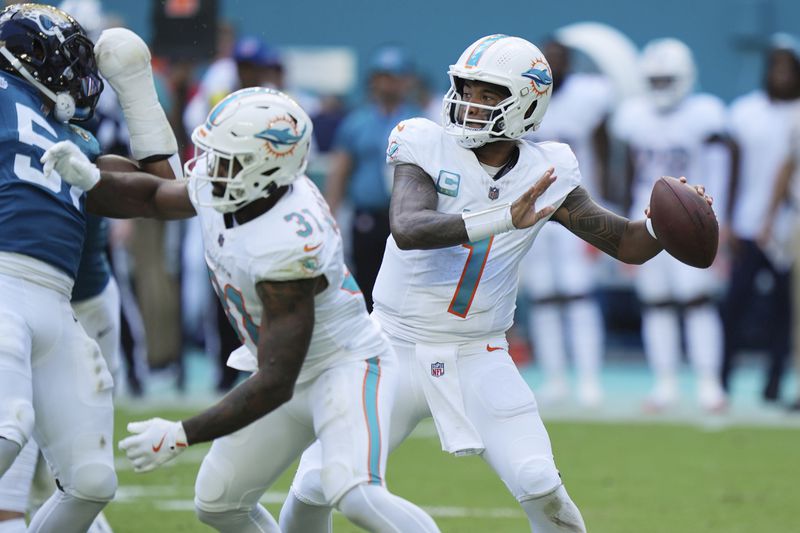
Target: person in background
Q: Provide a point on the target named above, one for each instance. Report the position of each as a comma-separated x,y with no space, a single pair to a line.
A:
251,63
786,196
760,123
558,274
667,132
358,174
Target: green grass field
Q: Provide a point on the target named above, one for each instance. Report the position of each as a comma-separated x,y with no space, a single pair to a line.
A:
626,478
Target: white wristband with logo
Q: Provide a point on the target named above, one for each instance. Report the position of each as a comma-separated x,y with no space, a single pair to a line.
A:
483,224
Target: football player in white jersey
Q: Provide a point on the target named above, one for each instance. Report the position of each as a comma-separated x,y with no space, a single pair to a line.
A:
558,276
468,200
668,131
322,369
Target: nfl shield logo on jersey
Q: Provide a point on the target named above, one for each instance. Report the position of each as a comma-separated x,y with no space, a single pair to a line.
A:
494,193
437,369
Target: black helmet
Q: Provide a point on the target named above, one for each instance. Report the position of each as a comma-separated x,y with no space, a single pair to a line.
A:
49,49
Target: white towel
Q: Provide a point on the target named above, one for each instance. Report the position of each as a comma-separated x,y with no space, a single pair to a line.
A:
242,359
442,388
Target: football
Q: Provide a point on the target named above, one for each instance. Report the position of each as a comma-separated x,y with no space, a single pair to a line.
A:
684,223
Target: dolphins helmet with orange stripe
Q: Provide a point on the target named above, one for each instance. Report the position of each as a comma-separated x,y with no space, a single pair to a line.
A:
509,62
254,141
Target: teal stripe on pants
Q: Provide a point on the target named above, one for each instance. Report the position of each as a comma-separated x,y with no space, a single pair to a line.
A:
372,379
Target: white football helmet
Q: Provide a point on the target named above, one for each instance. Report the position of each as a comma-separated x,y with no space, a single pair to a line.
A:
669,71
513,63
258,139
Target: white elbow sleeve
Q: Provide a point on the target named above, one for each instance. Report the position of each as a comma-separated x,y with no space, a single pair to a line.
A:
124,61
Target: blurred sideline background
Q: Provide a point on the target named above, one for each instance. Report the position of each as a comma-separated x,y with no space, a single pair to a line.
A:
329,56
344,60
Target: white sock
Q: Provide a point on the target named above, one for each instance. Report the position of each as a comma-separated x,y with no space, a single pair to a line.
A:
377,510
15,525
100,525
547,337
8,452
704,340
585,325
63,513
554,513
15,484
661,336
704,347
255,520
42,487
300,517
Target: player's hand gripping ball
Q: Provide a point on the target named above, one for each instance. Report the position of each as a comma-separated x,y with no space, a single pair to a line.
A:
684,223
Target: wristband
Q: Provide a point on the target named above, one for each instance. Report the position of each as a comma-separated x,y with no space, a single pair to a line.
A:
648,223
483,224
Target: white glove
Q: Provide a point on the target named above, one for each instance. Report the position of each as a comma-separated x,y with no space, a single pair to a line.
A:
123,59
154,442
72,164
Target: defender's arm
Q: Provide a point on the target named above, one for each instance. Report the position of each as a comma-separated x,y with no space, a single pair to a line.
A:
138,194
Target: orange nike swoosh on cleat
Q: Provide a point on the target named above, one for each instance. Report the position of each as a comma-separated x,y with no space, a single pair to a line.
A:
160,444
307,248
401,127
493,348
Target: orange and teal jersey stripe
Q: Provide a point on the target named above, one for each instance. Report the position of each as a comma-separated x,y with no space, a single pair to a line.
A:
470,277
372,378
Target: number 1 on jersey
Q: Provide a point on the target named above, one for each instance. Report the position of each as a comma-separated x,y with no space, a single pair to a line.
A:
470,277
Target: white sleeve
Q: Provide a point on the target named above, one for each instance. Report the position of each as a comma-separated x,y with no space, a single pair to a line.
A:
407,142
293,262
619,125
795,136
567,171
712,111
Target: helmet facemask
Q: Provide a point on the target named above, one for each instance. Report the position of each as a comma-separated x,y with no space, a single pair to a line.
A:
235,179
476,124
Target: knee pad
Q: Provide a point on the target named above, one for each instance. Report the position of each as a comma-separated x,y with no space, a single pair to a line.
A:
307,486
536,477
336,479
96,482
210,487
16,421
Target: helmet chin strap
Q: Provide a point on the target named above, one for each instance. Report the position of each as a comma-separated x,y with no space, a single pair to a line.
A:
64,103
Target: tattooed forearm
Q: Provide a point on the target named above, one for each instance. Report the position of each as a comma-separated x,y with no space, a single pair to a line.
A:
414,220
592,223
285,334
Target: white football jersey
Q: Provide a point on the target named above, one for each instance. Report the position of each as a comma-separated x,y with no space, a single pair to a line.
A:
761,127
295,239
574,113
667,144
467,292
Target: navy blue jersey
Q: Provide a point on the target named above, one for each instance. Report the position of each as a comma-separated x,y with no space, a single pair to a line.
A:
41,217
94,270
